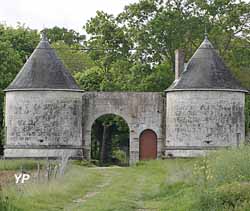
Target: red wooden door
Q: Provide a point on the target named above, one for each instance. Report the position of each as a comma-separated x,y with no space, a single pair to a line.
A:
148,145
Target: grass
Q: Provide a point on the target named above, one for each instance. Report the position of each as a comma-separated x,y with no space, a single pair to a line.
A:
218,182
115,188
7,165
54,195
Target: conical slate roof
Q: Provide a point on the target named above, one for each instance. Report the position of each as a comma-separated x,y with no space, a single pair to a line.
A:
206,70
43,70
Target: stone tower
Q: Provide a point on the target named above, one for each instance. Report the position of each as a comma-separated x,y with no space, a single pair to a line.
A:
43,108
46,115
204,106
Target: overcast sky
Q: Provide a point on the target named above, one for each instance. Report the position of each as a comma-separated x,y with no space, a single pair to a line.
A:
71,14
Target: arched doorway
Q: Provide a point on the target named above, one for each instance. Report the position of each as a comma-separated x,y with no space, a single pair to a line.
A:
148,145
110,140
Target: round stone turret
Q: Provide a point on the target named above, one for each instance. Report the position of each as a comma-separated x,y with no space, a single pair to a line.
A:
43,106
205,106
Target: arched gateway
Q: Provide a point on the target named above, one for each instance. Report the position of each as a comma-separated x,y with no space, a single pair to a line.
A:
110,140
47,115
140,110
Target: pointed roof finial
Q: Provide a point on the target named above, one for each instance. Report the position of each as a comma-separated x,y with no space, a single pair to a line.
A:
206,35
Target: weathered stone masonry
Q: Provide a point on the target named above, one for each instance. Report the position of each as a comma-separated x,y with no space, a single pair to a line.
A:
47,115
141,111
203,120
43,123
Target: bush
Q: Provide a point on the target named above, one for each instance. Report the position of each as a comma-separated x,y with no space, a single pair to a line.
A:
224,166
223,180
228,197
121,157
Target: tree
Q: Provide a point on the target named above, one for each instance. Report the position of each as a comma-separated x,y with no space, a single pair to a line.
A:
10,63
68,36
110,133
159,27
108,42
146,34
22,39
16,44
75,59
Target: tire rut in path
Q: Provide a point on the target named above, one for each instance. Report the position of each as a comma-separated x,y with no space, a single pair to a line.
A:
96,190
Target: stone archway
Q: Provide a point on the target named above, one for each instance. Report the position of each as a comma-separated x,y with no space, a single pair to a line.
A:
148,145
139,110
110,140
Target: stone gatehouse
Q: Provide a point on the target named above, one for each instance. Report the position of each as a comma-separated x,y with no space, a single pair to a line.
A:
47,115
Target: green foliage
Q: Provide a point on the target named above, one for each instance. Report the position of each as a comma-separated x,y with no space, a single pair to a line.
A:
16,44
134,51
10,63
121,157
158,27
68,36
223,180
22,39
229,197
97,189
237,60
225,166
73,58
108,42
83,163
10,165
57,194
161,185
160,79
116,141
5,204
91,79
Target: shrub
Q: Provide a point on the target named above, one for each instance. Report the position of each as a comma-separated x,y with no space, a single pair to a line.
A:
223,180
224,166
234,197
121,157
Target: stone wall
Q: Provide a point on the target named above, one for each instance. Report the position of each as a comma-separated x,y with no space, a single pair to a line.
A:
52,123
141,111
43,123
200,120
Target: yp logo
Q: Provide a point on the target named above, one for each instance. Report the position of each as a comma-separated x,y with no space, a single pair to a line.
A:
21,178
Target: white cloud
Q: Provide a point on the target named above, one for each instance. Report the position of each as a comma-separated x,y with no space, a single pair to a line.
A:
48,13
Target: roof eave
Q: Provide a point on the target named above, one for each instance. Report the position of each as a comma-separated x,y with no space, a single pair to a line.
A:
207,89
43,89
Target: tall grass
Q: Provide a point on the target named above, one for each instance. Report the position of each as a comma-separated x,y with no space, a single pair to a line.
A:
12,165
54,194
223,179
5,204
219,181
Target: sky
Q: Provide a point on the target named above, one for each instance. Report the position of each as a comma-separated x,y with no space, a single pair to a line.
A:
72,14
